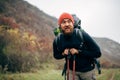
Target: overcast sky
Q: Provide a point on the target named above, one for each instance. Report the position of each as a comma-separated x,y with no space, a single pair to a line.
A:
100,18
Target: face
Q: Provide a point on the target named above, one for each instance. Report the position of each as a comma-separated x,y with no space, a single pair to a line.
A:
67,26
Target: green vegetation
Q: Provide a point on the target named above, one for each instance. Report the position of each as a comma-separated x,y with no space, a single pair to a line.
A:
107,74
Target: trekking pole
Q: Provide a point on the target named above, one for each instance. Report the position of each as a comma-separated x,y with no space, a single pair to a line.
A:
74,67
67,69
68,57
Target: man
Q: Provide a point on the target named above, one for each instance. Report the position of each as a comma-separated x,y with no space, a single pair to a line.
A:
69,44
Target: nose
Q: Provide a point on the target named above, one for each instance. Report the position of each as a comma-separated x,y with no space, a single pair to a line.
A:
66,23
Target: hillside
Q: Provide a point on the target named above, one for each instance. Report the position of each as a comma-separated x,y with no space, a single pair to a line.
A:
26,35
29,18
39,26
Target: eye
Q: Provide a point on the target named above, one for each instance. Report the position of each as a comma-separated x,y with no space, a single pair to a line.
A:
64,22
69,21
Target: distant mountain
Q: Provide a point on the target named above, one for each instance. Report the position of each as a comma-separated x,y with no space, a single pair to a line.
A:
33,20
110,52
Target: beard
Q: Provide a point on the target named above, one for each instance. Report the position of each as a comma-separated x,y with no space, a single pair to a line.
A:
67,31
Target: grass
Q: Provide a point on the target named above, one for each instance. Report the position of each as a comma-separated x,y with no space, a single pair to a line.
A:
107,74
117,75
40,75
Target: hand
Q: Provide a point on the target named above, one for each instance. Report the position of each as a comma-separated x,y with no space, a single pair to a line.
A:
65,52
74,51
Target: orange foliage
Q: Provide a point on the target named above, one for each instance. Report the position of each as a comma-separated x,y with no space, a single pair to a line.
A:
8,21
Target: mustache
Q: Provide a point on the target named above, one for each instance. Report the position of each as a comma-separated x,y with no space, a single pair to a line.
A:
67,27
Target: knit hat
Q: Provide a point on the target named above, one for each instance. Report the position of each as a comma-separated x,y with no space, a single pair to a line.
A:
65,16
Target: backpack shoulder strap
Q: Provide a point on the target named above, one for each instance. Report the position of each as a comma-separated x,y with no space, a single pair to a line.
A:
80,35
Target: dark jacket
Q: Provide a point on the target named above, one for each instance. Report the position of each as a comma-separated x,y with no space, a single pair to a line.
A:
89,50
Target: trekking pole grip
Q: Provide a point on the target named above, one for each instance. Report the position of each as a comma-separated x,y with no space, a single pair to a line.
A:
68,56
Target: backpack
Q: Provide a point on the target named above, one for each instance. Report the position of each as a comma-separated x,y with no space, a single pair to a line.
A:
79,30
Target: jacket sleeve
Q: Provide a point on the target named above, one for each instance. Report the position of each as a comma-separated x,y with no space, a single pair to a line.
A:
57,53
92,50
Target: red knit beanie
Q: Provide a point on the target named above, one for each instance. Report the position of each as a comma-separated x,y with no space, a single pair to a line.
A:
65,16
